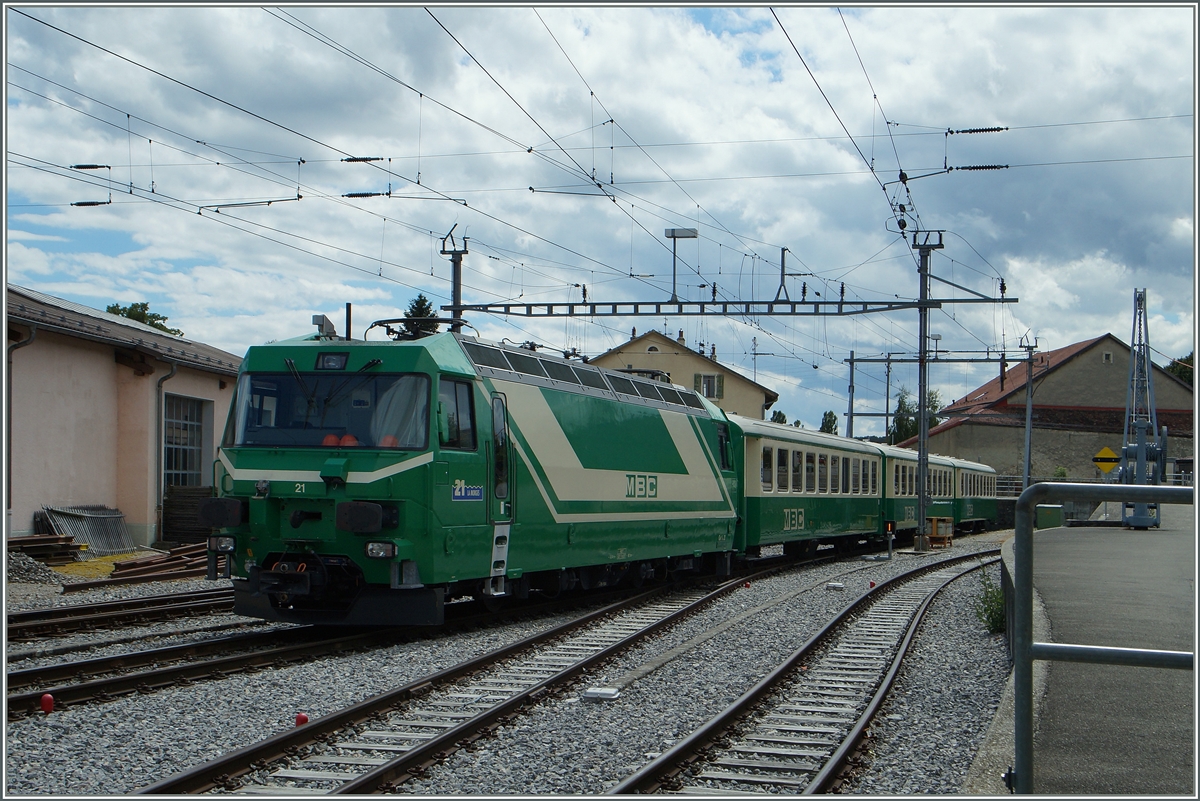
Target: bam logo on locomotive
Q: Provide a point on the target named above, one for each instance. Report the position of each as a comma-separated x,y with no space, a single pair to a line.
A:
462,492
641,486
793,519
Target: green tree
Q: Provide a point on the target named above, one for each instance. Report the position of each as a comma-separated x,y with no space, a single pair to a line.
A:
1182,368
420,307
829,423
778,417
142,314
904,419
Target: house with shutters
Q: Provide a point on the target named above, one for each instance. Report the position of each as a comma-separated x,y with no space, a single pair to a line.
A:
658,356
106,411
1079,397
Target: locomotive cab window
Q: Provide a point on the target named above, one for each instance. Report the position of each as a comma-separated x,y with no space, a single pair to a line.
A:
499,449
359,410
723,449
456,415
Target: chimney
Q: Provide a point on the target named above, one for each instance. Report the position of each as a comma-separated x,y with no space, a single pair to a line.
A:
680,340
634,334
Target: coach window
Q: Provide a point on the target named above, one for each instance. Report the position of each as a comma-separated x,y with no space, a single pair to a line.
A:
456,415
766,468
810,472
846,474
823,473
874,476
855,487
781,472
797,471
835,474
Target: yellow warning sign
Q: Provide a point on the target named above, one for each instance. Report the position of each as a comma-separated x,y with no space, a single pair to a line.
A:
1106,460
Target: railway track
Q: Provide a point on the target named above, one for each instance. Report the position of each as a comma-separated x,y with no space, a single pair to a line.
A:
380,742
59,620
794,731
109,677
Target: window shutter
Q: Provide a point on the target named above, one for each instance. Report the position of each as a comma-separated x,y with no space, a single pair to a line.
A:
698,385
720,386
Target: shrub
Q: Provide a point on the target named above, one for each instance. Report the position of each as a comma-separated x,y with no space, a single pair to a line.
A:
989,606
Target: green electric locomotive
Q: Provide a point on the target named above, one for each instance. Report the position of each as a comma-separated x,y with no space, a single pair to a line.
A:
371,482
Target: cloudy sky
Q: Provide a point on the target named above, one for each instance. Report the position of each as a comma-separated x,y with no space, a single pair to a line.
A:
562,142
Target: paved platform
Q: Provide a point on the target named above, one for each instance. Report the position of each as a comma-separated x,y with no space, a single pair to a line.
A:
1103,729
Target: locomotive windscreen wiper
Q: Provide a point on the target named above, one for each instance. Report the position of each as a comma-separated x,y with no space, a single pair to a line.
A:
308,393
335,394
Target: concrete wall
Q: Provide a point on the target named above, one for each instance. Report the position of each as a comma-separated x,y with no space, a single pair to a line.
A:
86,430
64,432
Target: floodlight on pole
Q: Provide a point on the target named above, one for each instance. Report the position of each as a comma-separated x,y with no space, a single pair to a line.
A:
674,234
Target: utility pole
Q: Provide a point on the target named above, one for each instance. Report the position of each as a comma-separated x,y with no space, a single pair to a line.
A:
850,410
675,234
1029,349
455,275
754,354
924,248
887,403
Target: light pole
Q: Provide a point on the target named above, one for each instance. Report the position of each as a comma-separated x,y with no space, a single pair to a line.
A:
674,234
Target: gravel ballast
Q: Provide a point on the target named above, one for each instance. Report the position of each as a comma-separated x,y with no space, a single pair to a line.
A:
669,686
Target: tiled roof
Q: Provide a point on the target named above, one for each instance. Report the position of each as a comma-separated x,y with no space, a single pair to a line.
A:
49,313
978,405
992,392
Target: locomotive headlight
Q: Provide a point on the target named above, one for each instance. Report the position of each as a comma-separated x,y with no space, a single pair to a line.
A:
381,550
222,544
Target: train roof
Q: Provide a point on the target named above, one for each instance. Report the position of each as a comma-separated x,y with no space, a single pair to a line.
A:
509,363
762,428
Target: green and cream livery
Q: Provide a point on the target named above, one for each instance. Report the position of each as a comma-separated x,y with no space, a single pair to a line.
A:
372,482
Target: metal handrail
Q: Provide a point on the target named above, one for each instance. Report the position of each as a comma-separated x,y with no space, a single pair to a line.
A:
1025,650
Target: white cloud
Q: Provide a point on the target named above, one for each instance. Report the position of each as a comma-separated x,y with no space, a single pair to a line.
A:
717,124
17,235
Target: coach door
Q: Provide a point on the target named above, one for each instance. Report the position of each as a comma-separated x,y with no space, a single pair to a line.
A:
500,496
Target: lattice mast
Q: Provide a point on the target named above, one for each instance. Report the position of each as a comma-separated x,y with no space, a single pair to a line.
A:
1144,455
1139,401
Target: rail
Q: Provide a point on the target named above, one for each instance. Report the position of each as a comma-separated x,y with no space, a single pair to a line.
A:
1025,650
